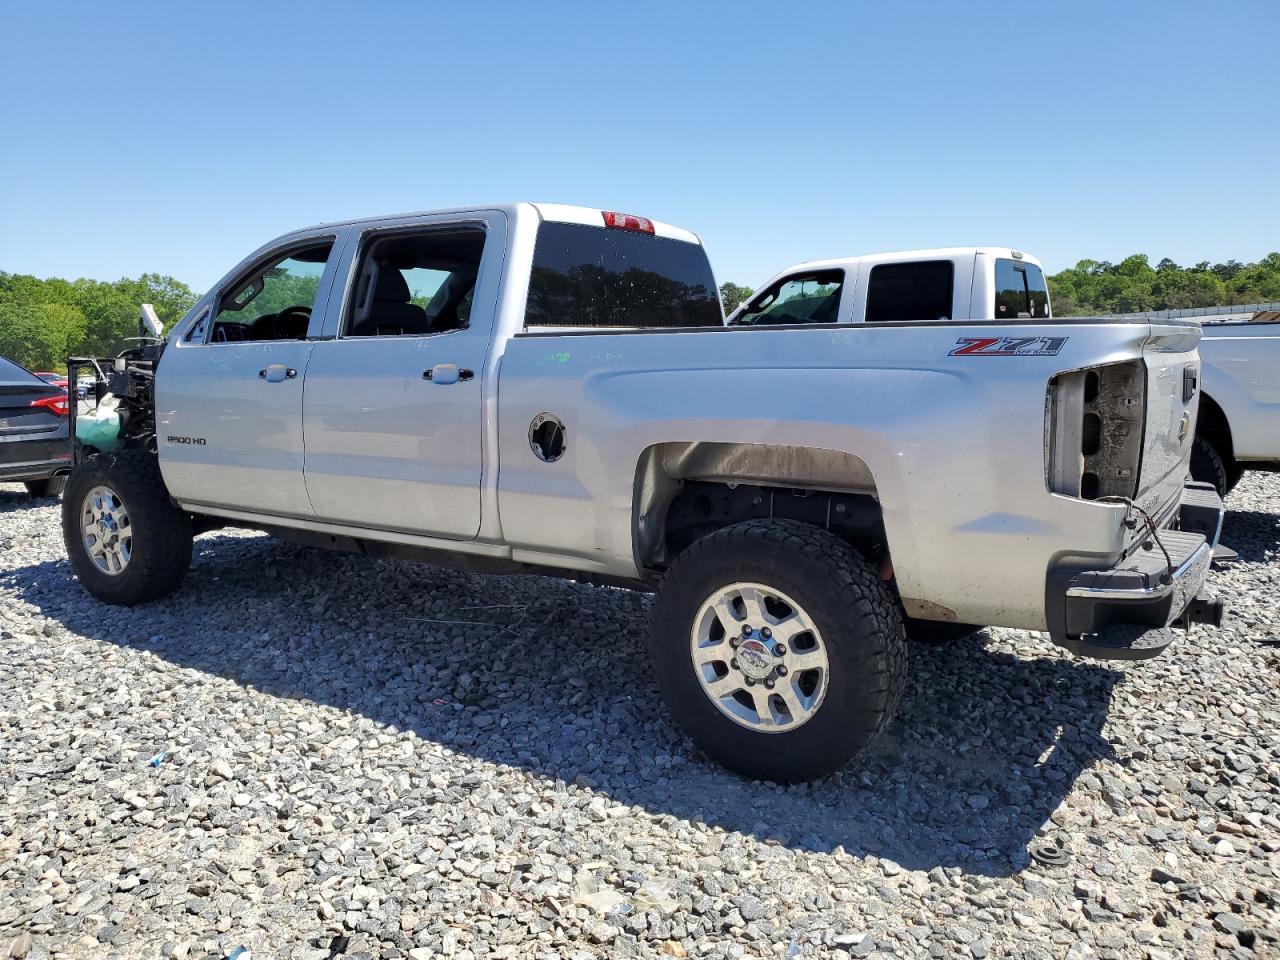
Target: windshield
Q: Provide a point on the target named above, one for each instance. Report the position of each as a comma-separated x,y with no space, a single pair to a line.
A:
1020,291
802,298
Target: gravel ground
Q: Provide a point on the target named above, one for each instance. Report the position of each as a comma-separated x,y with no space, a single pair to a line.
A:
320,756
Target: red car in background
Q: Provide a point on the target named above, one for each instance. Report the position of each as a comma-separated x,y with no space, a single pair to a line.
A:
57,379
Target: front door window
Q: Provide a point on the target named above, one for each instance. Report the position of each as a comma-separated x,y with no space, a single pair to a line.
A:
275,301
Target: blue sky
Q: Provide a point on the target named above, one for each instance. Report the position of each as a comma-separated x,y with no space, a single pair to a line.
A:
176,137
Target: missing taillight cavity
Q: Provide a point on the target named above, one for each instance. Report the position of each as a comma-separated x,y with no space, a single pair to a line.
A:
1093,439
1091,382
1091,436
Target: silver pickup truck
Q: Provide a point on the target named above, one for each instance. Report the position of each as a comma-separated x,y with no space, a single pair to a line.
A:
551,389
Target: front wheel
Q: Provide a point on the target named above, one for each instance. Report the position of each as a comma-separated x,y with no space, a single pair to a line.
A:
126,541
778,649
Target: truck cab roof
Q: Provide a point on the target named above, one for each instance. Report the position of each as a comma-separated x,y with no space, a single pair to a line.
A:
908,256
545,212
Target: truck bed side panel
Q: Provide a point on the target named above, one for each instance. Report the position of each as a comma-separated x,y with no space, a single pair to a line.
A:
955,443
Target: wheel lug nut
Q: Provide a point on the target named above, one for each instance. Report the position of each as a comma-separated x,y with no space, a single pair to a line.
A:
746,629
768,683
734,663
766,633
779,651
750,682
733,642
782,671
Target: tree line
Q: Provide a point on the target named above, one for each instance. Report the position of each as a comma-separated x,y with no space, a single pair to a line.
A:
1133,285
42,322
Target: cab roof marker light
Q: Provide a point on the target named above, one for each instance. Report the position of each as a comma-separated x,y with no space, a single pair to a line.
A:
627,221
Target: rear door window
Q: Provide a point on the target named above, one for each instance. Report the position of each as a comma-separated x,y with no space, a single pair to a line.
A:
802,298
416,284
586,276
910,291
1020,291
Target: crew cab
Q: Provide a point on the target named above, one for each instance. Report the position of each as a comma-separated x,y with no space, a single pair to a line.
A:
947,283
551,389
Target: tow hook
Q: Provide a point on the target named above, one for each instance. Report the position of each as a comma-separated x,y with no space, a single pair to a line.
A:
1201,610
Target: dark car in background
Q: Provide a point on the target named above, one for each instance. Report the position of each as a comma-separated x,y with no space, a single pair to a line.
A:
34,447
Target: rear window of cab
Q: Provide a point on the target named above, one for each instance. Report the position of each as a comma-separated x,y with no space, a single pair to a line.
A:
1020,291
587,276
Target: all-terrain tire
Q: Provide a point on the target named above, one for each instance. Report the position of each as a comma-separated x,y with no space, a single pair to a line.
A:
936,632
160,533
48,487
859,621
1207,466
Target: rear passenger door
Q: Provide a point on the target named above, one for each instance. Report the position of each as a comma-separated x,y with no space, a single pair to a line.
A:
395,394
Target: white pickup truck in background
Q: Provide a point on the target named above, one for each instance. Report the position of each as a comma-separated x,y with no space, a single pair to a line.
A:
1238,427
1239,424
948,283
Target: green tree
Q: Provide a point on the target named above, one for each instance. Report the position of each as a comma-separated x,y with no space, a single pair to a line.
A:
82,316
39,335
732,295
1097,286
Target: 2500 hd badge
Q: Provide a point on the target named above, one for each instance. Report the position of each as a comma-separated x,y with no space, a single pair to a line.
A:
194,441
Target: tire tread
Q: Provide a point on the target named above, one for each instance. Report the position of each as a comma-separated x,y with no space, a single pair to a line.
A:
162,560
857,588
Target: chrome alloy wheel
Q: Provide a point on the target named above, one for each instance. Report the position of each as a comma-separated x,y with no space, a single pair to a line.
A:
759,657
105,530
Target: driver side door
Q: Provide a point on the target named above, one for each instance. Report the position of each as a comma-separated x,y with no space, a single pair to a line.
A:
229,386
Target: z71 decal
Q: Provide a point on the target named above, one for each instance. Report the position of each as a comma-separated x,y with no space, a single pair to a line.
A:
1008,347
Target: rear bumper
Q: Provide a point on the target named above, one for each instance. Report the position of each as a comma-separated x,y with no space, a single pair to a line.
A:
34,459
1125,612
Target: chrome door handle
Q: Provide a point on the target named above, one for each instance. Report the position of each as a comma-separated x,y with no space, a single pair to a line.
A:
276,372
447,373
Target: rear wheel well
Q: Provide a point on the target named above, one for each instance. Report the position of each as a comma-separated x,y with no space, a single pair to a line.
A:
703,507
1212,424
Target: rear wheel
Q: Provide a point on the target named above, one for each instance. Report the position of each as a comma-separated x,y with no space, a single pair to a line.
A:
1207,466
126,541
49,487
778,649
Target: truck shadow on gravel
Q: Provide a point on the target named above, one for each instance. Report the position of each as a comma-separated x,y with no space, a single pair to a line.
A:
1253,534
552,677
